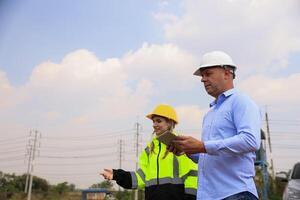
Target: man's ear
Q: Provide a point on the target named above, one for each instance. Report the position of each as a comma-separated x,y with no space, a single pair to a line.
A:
228,75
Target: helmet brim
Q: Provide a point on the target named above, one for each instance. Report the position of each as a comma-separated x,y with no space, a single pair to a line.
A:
201,68
151,115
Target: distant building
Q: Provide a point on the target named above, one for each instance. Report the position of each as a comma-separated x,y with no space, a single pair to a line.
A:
94,193
95,196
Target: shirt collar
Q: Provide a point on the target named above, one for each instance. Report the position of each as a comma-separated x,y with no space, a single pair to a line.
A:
223,96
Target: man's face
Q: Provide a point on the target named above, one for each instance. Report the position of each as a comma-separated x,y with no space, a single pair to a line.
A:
214,80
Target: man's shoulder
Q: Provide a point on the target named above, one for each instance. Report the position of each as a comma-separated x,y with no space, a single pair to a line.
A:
241,98
236,94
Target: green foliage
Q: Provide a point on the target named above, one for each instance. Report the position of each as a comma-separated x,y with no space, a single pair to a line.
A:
124,195
275,187
10,184
12,188
118,195
104,184
64,187
38,184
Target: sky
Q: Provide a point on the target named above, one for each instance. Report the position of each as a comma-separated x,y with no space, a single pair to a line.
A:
84,73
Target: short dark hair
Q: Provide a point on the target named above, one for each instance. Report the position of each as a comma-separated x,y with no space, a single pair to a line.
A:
230,68
226,67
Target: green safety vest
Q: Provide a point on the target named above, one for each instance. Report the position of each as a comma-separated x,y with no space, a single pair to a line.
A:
156,170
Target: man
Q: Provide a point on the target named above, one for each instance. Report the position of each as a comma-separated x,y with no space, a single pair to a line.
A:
230,136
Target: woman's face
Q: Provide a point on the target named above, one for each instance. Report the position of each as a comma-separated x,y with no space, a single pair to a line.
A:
160,125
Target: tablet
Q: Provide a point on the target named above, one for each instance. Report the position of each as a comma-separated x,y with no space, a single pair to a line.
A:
166,137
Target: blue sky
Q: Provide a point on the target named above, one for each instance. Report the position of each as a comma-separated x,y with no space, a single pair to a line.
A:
51,29
91,69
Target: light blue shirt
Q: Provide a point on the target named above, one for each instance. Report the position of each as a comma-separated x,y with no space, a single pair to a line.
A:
231,135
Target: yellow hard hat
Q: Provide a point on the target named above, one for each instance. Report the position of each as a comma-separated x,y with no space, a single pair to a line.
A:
164,110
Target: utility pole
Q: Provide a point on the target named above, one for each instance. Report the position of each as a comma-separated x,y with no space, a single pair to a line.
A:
137,125
120,156
270,145
120,153
28,169
32,156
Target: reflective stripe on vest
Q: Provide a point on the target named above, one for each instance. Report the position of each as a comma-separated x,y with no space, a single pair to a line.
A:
142,174
175,167
191,191
134,180
168,174
164,181
174,180
190,173
147,150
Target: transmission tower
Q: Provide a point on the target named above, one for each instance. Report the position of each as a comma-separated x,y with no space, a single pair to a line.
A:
32,155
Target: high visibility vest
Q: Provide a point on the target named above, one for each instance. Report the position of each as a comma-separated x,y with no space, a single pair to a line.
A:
156,170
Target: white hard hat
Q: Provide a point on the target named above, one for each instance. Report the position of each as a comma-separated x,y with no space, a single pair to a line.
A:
213,59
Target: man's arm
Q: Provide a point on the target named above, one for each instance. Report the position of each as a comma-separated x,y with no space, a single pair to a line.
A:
247,121
188,145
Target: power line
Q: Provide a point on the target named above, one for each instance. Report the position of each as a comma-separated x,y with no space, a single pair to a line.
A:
77,147
12,139
74,145
126,160
13,142
73,176
13,151
72,164
12,147
108,134
284,124
286,146
76,157
12,158
288,156
10,166
69,174
285,133
81,142
283,120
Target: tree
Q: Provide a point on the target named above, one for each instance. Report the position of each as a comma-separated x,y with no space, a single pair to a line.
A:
12,187
9,185
72,187
104,184
39,184
62,188
124,195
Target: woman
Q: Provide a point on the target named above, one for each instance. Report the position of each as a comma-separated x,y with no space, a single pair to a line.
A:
163,175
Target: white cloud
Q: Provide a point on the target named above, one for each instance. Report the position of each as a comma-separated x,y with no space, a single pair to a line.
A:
82,95
52,115
9,95
5,90
82,90
274,91
256,33
280,97
163,3
166,65
190,119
